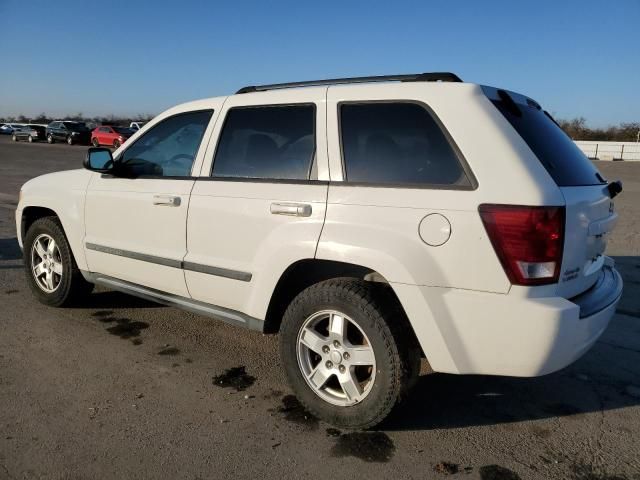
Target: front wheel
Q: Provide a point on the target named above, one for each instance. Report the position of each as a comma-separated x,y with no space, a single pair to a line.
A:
50,139
347,352
14,138
116,144
30,139
95,142
52,272
70,140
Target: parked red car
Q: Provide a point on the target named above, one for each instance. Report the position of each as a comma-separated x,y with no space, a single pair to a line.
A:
110,135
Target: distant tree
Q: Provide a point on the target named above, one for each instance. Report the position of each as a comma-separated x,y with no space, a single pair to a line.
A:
42,118
577,129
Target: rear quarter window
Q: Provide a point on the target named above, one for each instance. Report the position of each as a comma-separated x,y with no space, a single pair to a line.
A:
397,143
559,155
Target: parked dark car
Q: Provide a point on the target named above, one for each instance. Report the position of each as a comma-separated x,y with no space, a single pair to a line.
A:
68,131
31,133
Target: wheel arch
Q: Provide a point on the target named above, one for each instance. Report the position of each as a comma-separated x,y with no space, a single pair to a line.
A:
304,273
32,213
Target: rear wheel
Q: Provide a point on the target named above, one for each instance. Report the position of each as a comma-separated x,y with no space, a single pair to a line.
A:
347,352
70,140
52,272
50,139
95,142
30,139
14,138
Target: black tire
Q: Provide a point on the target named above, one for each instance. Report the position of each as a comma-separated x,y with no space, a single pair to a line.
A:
30,139
69,140
95,142
396,350
50,139
116,144
73,286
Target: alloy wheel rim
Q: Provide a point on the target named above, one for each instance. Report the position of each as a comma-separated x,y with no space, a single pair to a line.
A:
46,263
336,358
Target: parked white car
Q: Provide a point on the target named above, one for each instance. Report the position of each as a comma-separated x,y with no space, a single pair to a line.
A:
367,223
136,125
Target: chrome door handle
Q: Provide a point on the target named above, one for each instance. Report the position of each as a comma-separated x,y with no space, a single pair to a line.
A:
166,200
292,209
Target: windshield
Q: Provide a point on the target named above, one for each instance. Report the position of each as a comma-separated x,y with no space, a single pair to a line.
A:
76,126
559,155
123,130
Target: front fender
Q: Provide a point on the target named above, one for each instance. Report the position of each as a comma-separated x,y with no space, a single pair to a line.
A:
64,193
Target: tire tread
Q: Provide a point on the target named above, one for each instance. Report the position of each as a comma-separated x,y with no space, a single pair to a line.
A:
376,306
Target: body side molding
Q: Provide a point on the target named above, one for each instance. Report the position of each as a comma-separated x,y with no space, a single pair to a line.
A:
168,262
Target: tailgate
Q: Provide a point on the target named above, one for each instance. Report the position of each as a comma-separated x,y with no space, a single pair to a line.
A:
590,218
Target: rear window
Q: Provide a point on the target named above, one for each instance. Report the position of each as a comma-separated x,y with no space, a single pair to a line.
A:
559,155
397,143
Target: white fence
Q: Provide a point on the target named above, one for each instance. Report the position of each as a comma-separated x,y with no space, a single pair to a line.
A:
610,150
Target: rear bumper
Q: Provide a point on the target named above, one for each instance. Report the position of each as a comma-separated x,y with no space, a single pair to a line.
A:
494,334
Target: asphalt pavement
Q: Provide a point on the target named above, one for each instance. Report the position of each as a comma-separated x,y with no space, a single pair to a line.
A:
122,388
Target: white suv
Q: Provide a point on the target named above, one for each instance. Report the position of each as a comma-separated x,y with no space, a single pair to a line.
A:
368,220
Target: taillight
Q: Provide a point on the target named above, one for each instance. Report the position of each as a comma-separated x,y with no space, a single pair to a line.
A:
528,241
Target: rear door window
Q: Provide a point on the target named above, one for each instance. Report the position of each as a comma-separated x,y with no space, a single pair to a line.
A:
559,155
397,143
267,142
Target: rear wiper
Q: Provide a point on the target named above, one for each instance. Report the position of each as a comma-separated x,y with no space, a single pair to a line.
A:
511,105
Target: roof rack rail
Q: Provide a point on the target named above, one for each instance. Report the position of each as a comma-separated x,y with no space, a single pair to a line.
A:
415,77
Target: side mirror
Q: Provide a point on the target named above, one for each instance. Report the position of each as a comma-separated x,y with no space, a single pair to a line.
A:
98,160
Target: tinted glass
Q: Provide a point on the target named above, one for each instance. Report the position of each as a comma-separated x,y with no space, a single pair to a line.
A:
397,143
76,126
267,142
168,149
564,161
123,130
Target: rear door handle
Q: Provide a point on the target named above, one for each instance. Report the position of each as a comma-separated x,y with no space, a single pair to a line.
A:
291,209
166,200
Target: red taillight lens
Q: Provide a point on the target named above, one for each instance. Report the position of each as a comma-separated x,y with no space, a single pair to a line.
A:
528,241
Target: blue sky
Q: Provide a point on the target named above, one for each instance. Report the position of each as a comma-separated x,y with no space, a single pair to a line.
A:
577,58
